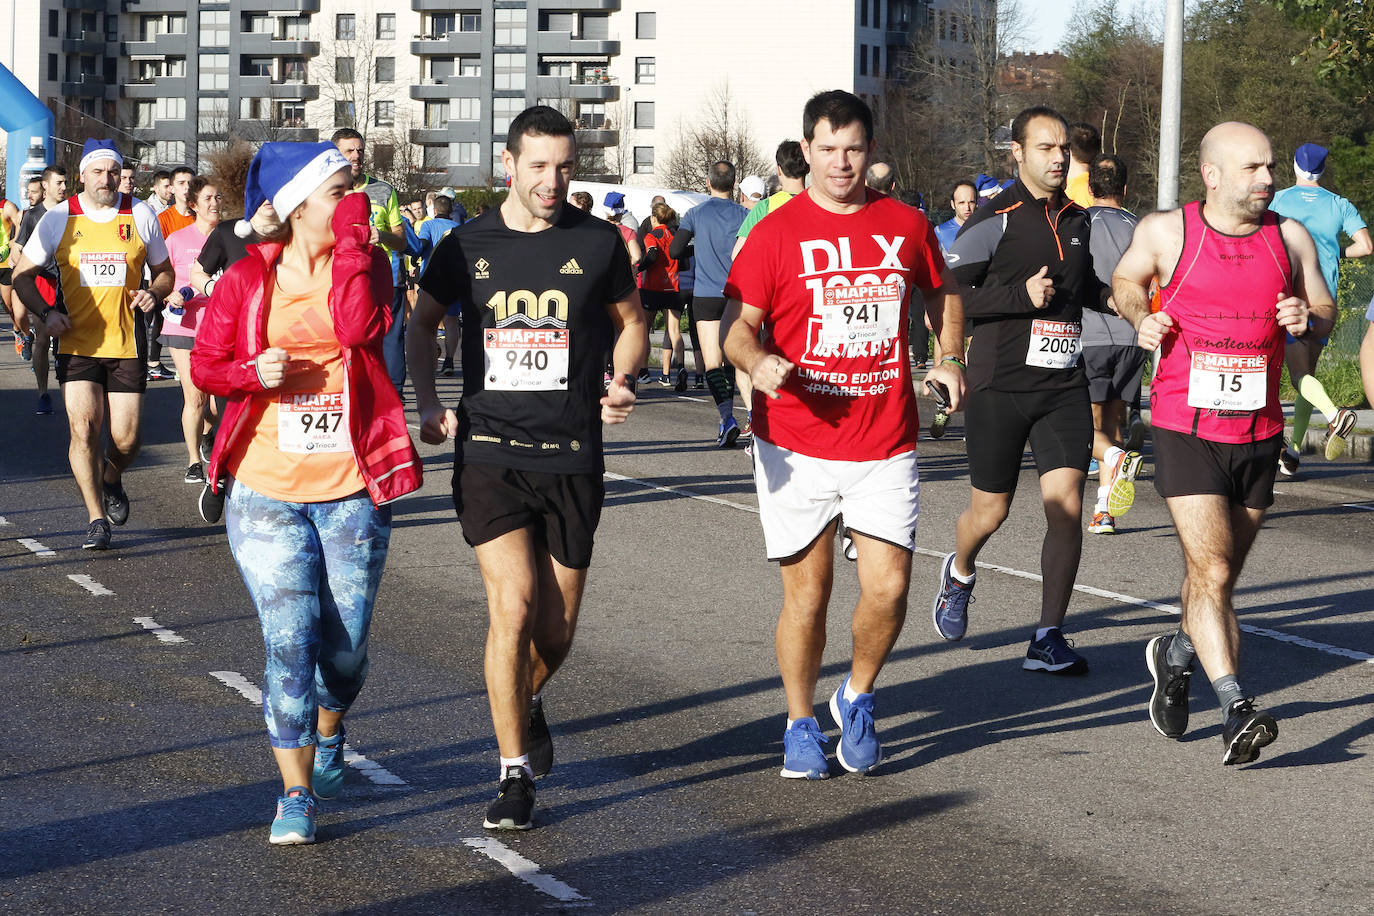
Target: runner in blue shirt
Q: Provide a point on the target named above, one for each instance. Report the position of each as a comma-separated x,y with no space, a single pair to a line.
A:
1326,216
962,200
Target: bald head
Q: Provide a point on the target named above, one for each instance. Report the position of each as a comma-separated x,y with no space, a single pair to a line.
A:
880,177
1237,165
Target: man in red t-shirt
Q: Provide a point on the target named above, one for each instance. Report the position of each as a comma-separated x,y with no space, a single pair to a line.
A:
1233,277
829,277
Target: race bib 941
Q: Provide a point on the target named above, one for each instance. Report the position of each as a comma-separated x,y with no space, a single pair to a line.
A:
526,359
864,313
102,268
1228,381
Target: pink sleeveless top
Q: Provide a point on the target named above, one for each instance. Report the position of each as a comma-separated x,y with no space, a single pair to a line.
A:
1219,369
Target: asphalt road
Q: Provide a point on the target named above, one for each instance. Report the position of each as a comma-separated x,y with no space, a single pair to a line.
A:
135,775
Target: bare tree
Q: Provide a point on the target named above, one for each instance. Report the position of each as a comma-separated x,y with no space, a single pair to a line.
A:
346,74
229,166
720,131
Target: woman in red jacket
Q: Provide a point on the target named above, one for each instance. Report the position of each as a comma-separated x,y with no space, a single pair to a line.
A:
660,293
314,445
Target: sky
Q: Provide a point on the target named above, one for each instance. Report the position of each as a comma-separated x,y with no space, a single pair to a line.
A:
1045,23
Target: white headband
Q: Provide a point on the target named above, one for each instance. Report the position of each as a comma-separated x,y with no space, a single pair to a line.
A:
96,155
1304,174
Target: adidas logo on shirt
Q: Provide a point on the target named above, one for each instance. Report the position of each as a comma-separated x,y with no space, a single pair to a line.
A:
571,267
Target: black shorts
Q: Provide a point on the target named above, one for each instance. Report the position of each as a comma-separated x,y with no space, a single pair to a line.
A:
1187,465
6,276
114,375
657,300
1114,373
563,510
176,341
998,424
708,308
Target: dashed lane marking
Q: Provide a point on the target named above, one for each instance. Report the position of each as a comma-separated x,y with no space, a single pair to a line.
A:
162,633
525,870
1267,633
373,770
90,585
37,547
1358,506
4,521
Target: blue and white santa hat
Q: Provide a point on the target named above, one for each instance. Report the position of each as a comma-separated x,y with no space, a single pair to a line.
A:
986,186
1310,161
95,150
286,174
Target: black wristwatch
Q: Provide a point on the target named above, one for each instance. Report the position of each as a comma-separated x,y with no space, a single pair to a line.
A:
631,383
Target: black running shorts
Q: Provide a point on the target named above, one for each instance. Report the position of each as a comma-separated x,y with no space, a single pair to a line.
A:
708,308
124,376
562,510
657,300
6,276
1187,465
998,424
1114,373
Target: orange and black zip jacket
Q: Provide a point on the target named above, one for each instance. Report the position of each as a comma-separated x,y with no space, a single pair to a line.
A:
1001,246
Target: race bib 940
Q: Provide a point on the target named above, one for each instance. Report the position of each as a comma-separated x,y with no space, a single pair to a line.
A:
526,359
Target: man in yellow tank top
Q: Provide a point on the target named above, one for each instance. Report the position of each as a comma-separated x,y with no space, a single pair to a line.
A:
99,242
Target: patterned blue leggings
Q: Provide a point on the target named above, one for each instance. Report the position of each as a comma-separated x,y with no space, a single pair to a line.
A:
312,570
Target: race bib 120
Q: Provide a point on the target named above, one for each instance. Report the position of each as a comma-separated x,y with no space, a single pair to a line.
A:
102,268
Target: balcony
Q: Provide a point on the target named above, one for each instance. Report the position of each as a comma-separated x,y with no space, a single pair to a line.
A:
96,5
430,136
174,43
450,87
261,44
161,87
264,87
899,35
563,43
89,43
279,6
452,44
91,86
259,129
597,137
153,6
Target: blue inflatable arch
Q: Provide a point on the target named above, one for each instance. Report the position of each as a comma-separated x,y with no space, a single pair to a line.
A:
22,116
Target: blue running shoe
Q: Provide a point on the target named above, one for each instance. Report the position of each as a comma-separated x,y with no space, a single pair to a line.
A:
950,610
729,433
329,764
858,750
295,820
44,408
802,754
1054,654
1093,466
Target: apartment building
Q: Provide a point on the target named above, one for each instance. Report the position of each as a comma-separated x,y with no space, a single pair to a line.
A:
438,81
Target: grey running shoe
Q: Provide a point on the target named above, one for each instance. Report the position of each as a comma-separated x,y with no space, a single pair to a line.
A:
1337,431
116,502
1245,731
1169,698
1054,655
97,536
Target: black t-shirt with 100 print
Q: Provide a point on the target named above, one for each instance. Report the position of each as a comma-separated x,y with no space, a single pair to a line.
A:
536,329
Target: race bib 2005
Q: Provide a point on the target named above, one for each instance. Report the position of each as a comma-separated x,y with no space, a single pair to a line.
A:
1228,381
860,314
526,359
1054,344
102,268
311,423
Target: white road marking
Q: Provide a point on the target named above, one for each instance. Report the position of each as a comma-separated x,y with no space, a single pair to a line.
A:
1358,506
38,548
524,869
1326,648
162,633
90,585
373,770
4,521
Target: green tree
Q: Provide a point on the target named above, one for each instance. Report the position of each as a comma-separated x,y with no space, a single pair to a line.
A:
1342,43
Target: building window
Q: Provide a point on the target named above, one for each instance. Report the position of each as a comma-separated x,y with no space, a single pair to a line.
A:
466,153
343,113
52,67
384,113
149,27
503,111
646,69
212,115
252,109
557,22
863,60
290,114
498,165
591,116
595,27
345,27
644,115
434,158
877,68
293,69
214,71
174,66
343,70
644,160
510,28
171,151
563,68
386,26
176,25
257,23
383,157
214,28
470,22
143,113
386,70
467,109
441,24
863,13
436,114
510,71
440,68
52,23
253,66
295,28
469,66
646,26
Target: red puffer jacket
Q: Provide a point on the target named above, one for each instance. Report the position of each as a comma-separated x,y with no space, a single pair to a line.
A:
233,332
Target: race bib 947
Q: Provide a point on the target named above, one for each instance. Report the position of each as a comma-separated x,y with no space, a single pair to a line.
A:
311,423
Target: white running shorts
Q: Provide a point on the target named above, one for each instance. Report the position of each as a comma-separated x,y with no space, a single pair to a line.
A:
800,495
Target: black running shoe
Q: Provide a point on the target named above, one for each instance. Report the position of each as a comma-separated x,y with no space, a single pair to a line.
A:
1246,731
681,383
207,447
514,805
1169,699
540,741
98,536
211,504
160,373
195,474
116,502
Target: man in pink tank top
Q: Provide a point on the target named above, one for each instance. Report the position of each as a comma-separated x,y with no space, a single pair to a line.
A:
1233,278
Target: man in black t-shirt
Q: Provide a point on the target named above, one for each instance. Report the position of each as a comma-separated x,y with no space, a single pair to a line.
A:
543,288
